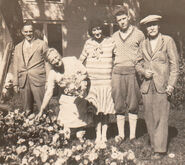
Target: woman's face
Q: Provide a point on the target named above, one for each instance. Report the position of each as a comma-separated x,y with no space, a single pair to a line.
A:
97,32
55,59
152,29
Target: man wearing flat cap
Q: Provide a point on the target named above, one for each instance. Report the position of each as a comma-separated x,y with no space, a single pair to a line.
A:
160,70
125,90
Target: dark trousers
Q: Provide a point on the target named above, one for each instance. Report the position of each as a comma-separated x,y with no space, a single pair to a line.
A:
31,93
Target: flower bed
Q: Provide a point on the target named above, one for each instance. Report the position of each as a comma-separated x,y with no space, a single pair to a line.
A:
27,142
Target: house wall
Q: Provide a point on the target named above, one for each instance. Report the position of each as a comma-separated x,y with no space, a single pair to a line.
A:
77,16
73,15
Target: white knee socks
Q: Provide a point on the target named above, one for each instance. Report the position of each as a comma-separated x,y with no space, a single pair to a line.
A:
121,125
98,132
104,132
132,123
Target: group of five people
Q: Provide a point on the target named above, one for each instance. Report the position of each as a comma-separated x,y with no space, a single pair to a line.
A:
111,64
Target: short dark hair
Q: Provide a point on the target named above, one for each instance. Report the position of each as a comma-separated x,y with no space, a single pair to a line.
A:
28,22
120,10
94,23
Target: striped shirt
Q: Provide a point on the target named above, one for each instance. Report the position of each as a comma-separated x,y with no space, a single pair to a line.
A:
98,58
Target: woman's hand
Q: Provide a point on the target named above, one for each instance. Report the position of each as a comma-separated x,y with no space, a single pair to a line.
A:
37,118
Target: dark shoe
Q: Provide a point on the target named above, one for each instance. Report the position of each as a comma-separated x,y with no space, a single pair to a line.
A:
119,139
135,142
157,156
28,112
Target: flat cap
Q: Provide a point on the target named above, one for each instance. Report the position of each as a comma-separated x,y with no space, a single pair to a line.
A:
150,18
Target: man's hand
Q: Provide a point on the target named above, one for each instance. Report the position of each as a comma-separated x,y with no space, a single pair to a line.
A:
169,90
148,73
16,89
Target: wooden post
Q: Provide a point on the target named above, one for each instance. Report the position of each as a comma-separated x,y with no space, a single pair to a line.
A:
4,65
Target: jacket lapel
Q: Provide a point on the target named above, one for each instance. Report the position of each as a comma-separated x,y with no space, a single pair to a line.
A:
147,49
21,52
159,45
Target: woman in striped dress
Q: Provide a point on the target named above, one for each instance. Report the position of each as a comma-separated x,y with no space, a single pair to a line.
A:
97,56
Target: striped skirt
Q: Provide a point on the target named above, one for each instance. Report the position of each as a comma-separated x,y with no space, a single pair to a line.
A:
100,95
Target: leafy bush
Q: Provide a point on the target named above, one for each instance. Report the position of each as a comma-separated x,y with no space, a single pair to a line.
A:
178,98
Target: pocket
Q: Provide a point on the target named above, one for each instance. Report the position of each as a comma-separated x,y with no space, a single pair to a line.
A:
162,57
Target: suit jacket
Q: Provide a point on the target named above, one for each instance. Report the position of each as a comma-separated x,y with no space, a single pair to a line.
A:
163,62
35,68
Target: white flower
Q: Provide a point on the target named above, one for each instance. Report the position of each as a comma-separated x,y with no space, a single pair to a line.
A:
93,156
107,161
27,121
24,161
20,141
171,155
50,128
44,116
85,162
21,149
30,143
60,161
46,163
67,133
114,155
113,163
103,145
80,134
31,122
73,148
89,143
67,152
55,138
120,155
52,151
16,111
36,152
32,116
77,157
114,149
79,147
30,159
44,157
131,155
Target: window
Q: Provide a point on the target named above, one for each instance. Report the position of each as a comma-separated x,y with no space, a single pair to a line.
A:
54,0
111,2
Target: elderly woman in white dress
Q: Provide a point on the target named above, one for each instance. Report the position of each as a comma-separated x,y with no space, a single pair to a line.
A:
72,112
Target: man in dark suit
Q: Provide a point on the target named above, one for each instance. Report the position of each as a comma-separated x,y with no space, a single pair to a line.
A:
30,68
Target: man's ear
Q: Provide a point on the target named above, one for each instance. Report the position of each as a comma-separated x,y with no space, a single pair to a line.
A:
129,17
22,31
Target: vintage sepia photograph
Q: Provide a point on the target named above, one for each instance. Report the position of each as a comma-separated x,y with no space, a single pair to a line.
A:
92,82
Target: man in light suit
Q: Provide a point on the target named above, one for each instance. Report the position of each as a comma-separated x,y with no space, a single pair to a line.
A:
160,70
30,68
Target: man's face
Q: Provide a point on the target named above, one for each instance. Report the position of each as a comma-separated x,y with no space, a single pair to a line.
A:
55,59
123,21
27,31
97,33
152,29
